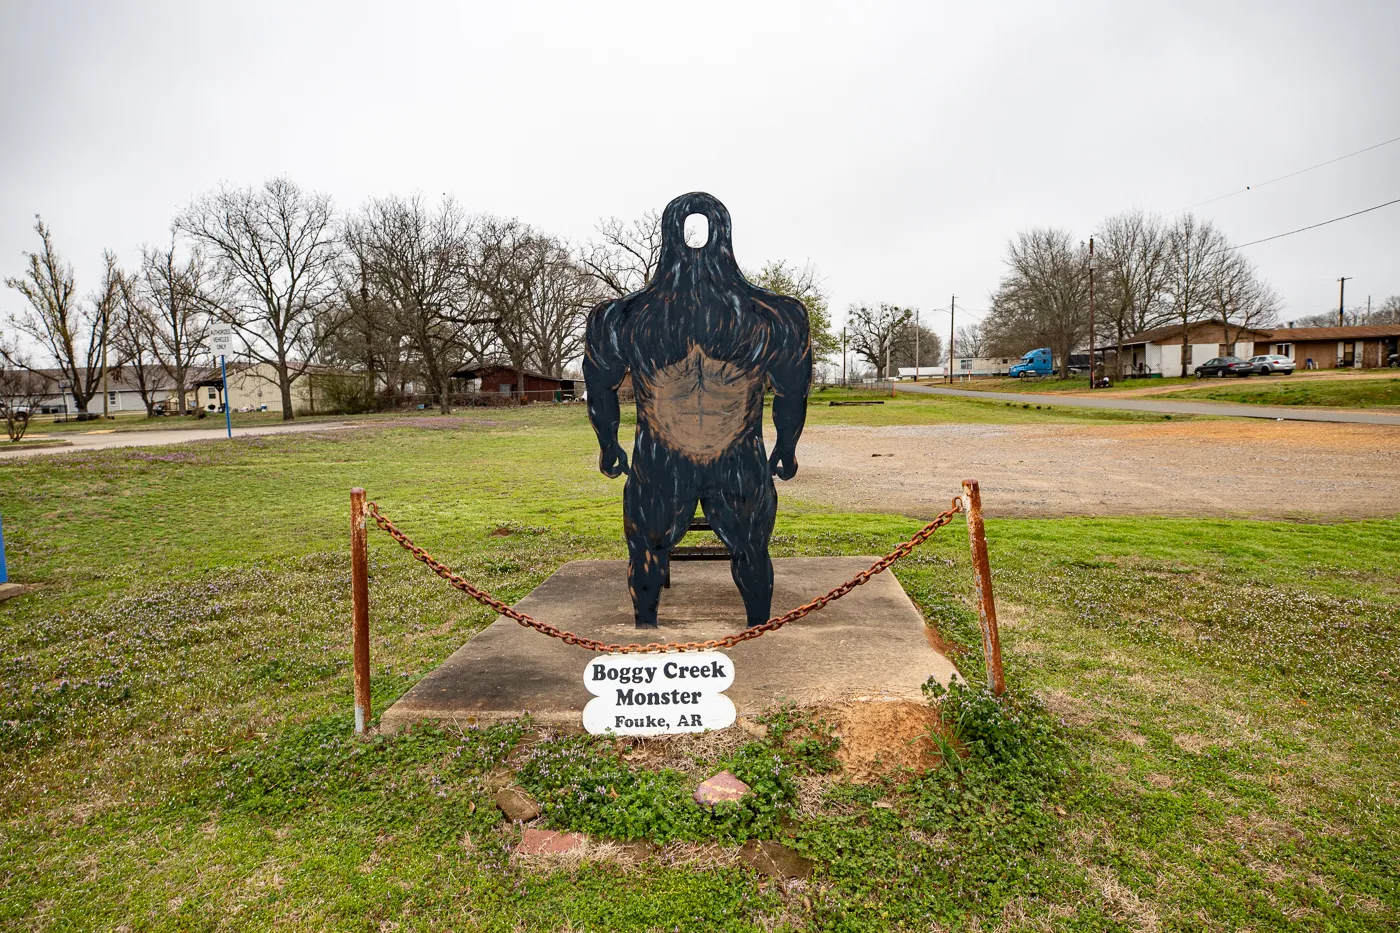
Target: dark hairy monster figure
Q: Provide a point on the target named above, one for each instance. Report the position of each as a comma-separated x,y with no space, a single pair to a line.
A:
702,344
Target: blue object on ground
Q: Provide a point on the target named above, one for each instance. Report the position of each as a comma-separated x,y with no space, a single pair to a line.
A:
4,574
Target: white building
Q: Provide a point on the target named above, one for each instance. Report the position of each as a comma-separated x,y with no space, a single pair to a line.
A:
968,366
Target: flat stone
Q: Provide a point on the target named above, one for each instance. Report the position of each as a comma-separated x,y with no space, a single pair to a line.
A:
722,788
871,644
8,590
516,804
549,842
775,860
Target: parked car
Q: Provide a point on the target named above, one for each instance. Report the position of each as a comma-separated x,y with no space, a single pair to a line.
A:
1225,366
1272,363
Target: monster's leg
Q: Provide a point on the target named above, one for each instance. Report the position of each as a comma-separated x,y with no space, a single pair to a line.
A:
741,511
655,516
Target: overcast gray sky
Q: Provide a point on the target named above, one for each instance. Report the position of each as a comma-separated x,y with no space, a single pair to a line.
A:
896,146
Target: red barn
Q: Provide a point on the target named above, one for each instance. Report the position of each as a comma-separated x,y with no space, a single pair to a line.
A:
504,381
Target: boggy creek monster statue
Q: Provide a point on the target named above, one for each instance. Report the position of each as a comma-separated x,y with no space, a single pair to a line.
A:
702,344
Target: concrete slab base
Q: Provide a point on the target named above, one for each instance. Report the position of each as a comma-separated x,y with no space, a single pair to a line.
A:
871,644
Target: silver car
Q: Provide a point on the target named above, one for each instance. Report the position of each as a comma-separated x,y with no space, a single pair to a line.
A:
1272,363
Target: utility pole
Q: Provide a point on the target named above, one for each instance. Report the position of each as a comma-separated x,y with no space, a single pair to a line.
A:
843,356
105,413
952,307
1091,313
916,344
1341,301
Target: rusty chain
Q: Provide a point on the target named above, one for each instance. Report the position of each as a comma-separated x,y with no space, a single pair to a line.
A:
729,641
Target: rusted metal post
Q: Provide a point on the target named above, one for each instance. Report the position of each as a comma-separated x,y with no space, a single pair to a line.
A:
359,596
982,579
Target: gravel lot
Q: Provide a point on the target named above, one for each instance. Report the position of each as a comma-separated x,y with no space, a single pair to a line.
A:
1259,469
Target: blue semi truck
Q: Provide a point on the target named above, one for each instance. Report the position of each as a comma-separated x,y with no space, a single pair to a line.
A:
1041,362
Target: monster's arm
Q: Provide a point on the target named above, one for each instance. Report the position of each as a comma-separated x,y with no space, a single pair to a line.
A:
790,372
604,365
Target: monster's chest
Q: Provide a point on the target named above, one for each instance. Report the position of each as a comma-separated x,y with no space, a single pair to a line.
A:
697,404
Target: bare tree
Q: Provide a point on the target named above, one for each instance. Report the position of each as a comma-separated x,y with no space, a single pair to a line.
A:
275,253
1043,298
175,296
133,336
415,263
623,256
69,330
1194,248
1387,312
560,294
22,389
874,332
1238,298
1133,270
971,340
514,269
369,337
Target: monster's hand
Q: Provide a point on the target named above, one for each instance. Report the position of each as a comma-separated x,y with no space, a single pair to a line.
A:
613,461
783,464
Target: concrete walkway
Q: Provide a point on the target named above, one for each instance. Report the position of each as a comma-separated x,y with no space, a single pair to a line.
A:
871,645
79,441
1218,409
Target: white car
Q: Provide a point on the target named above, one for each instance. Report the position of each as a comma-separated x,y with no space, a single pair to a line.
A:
1273,363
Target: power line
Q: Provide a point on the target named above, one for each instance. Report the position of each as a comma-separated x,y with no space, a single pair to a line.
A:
1324,223
1289,175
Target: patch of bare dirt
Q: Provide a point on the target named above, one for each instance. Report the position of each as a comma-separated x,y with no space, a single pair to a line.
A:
1234,468
882,736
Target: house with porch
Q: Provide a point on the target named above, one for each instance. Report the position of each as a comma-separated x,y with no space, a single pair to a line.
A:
1159,351
1357,346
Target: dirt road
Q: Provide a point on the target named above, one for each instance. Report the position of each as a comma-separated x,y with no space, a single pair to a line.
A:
1258,469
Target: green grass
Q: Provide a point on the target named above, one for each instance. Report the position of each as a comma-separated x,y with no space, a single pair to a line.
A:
175,748
1323,393
907,408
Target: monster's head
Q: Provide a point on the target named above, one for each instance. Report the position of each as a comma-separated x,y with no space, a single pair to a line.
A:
716,257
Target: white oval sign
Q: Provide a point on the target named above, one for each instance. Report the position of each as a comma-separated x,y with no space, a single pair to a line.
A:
708,711
658,694
672,670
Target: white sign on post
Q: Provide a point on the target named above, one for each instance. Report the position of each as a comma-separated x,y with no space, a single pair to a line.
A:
658,694
220,339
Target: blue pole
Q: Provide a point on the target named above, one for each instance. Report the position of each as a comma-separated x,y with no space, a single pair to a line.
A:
228,417
4,574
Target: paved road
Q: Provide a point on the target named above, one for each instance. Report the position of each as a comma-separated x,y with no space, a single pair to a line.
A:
81,441
1225,409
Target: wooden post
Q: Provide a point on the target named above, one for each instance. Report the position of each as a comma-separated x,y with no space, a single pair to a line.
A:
359,596
982,579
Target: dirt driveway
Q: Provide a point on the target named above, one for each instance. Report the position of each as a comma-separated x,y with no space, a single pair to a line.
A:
1259,469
